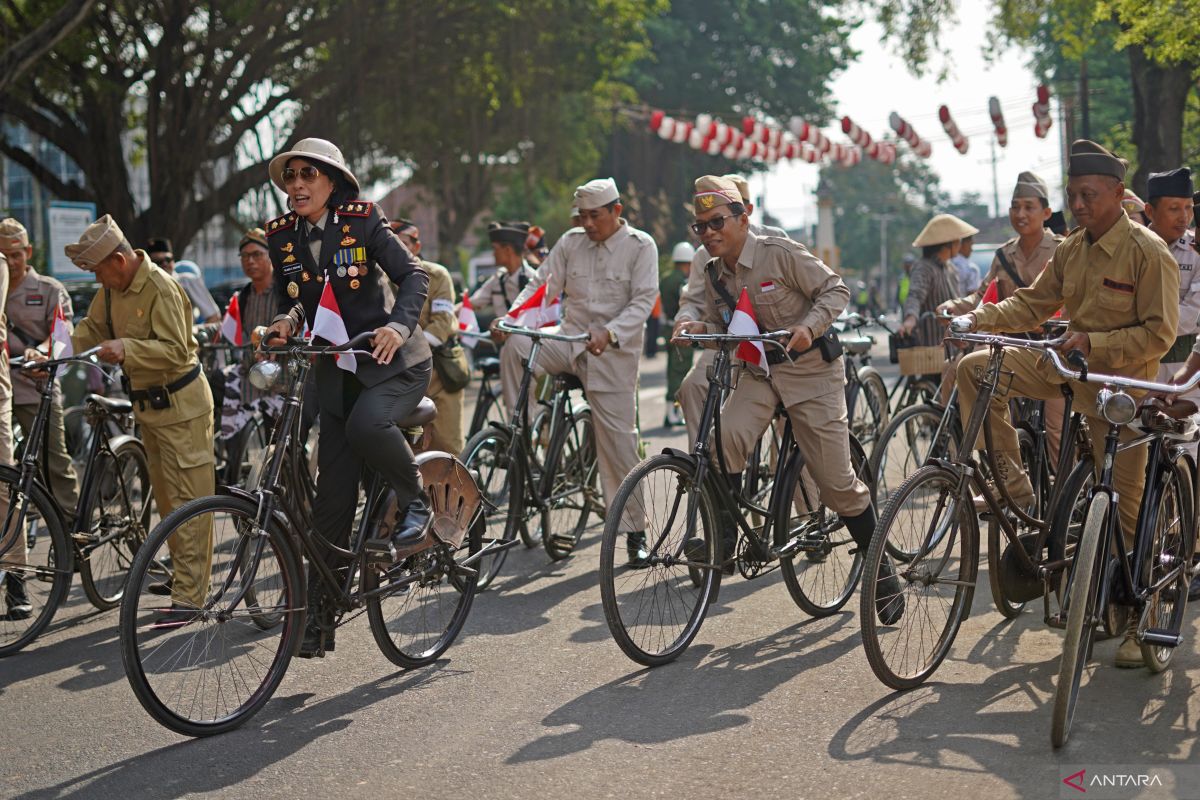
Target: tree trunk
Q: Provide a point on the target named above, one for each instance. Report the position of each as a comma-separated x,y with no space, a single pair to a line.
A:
1159,96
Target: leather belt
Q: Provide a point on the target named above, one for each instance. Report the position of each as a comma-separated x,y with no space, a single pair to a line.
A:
143,395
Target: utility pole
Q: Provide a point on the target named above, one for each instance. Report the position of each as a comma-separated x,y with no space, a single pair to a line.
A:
884,272
995,182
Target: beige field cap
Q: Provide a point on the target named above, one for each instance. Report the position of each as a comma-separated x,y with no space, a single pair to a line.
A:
944,228
97,243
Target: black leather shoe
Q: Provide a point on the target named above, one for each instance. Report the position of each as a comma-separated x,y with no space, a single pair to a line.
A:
161,589
16,600
635,548
318,630
889,599
411,528
175,617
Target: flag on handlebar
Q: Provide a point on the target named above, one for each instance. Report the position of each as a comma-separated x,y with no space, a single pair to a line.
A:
60,335
467,321
744,323
231,326
328,324
536,312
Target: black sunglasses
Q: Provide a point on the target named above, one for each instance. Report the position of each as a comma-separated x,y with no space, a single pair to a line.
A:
716,223
308,173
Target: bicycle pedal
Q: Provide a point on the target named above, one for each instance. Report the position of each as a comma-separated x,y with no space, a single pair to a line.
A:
379,550
1161,637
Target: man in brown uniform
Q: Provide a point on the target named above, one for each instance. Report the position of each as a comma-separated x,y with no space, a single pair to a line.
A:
439,323
1119,286
789,288
141,319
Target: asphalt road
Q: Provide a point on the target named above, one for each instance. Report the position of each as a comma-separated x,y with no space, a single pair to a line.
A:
535,700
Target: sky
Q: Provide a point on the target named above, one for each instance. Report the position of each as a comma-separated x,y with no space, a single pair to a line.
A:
879,83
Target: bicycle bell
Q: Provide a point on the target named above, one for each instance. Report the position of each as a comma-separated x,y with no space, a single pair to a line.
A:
1116,406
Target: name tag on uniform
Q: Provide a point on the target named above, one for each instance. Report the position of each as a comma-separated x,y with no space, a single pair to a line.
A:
34,300
439,306
767,286
1118,286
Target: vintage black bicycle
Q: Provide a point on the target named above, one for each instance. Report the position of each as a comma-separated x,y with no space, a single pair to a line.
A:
540,478
39,549
208,669
655,610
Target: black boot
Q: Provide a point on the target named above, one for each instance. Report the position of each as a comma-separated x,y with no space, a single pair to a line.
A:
889,599
16,600
318,634
635,548
411,526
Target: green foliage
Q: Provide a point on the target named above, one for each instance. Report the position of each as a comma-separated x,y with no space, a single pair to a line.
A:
1167,31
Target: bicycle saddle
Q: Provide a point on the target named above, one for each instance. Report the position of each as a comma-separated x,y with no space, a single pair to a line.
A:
111,404
423,414
857,345
489,366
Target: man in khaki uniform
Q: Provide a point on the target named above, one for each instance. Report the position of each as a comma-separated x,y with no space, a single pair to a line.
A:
788,288
609,271
142,320
513,272
30,307
1119,286
439,323
694,388
1016,265
16,599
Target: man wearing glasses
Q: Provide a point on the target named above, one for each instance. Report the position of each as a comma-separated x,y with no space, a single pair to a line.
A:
788,288
163,257
609,272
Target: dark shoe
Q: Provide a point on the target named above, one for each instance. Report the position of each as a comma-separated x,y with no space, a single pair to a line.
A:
162,588
175,617
318,636
410,529
635,548
1194,588
694,550
889,599
16,600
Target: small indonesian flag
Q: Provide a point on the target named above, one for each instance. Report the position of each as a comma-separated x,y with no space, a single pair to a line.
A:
60,335
536,312
744,323
467,321
992,295
329,325
231,326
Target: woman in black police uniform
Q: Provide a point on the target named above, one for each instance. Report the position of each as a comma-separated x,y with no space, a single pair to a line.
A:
332,236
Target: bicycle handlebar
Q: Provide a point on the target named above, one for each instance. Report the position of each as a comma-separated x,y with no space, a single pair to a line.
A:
534,333
767,338
304,347
34,366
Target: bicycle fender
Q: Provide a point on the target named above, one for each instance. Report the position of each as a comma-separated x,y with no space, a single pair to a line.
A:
120,439
675,451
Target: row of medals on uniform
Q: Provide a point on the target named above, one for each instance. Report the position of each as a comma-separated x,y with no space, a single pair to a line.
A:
357,256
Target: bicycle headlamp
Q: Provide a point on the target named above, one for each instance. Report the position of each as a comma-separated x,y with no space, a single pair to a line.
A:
1117,407
264,374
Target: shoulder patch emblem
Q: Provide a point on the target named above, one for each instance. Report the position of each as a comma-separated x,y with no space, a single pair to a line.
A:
357,208
281,223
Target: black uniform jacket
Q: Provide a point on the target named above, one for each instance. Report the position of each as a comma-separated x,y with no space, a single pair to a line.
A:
364,249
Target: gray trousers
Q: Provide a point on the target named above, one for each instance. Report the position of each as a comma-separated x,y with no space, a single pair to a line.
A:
59,467
367,434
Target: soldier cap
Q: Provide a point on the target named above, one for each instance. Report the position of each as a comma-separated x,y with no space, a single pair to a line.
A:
97,243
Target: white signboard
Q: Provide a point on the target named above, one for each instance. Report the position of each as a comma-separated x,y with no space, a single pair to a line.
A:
67,222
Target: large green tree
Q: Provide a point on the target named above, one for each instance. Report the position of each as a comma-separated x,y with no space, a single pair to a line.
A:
29,30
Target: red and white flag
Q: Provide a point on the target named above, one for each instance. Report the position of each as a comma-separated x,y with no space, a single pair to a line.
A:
536,312
467,321
231,326
328,324
60,335
744,323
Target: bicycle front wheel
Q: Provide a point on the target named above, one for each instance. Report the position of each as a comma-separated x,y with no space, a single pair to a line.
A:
654,611
201,655
1081,615
119,520
487,456
36,563
931,516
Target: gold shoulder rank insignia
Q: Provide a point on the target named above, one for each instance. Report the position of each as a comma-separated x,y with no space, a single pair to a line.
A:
359,208
281,223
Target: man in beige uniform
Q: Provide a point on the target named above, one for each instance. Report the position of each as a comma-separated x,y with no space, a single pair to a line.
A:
788,288
1119,286
142,320
16,599
694,388
439,323
30,308
609,271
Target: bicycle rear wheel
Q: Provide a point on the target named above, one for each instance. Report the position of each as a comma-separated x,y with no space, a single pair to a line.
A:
1174,526
206,665
822,578
655,611
417,606
36,564
567,503
868,407
120,508
1081,614
932,517
486,455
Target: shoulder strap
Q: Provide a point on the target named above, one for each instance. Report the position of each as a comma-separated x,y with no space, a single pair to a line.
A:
711,270
1007,267
112,334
